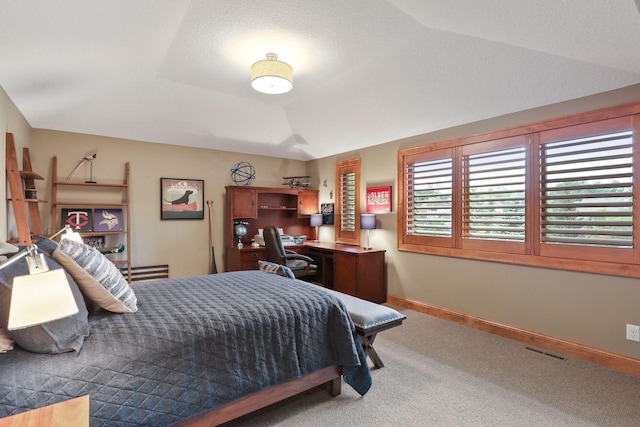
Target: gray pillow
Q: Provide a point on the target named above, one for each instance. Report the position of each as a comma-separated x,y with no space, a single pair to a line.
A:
98,278
59,336
273,268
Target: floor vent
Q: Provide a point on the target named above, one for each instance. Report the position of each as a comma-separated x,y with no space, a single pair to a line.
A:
555,356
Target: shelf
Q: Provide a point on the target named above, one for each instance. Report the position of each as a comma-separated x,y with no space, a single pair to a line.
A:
83,204
71,196
101,233
89,184
29,175
30,200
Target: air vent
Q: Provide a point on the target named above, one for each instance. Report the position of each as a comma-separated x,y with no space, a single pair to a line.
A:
555,356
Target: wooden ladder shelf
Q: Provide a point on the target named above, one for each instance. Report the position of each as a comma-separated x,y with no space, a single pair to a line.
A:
16,177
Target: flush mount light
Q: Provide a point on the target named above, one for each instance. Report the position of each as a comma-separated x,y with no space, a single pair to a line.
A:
271,76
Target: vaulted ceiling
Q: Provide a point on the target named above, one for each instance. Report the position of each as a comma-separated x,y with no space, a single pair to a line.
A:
365,71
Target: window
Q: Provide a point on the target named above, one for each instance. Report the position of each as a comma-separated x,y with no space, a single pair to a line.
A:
556,194
429,199
586,192
494,201
347,213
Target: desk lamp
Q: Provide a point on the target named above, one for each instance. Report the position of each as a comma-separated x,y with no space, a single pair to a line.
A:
367,222
41,296
68,234
316,221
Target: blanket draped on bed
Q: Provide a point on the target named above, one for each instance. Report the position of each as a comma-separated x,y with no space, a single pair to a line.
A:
195,343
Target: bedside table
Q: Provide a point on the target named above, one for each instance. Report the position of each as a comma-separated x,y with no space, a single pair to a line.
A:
70,413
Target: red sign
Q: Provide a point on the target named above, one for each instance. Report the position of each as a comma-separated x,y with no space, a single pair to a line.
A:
379,199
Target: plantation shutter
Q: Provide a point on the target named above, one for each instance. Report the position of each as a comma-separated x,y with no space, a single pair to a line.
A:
348,202
428,199
494,196
587,192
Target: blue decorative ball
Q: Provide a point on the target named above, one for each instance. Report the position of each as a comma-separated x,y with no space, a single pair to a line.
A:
243,173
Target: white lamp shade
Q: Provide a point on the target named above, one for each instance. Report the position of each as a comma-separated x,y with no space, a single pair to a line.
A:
40,298
316,220
368,221
272,76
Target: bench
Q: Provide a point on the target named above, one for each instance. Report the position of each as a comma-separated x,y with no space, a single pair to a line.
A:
369,318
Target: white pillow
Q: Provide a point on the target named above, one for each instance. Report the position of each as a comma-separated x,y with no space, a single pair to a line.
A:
98,278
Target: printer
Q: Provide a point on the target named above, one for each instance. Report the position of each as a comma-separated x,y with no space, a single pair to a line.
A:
286,239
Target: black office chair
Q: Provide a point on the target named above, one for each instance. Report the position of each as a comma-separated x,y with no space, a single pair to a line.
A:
301,265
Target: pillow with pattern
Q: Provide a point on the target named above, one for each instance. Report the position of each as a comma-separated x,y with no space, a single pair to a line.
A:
273,268
98,278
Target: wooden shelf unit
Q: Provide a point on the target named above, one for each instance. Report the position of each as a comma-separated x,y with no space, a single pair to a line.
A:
84,187
19,180
260,207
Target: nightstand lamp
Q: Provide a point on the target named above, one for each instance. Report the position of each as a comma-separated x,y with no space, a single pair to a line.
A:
40,296
367,222
316,221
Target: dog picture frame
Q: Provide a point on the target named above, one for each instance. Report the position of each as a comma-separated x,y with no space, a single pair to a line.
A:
181,198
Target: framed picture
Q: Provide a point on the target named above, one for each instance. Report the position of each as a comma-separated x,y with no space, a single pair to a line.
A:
108,220
94,241
181,198
80,219
326,209
379,199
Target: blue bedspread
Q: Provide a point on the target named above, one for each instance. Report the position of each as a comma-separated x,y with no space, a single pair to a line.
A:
194,344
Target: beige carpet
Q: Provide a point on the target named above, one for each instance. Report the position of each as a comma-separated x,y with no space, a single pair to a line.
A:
439,373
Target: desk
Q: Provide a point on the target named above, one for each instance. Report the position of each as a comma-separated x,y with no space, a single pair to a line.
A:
349,269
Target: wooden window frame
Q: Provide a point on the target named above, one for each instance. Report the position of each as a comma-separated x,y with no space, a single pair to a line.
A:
347,237
532,253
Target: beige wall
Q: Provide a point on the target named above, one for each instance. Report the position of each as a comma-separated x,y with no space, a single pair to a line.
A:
184,245
12,121
586,308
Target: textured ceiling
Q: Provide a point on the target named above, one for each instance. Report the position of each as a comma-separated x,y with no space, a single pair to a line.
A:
365,72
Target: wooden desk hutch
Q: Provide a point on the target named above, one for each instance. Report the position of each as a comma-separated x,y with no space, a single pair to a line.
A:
349,269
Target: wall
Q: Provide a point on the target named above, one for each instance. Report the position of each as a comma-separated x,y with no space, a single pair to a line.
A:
585,308
11,120
183,244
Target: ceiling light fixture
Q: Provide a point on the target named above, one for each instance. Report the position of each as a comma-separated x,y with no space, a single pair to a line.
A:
271,76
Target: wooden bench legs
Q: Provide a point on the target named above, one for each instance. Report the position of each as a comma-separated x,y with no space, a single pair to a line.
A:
367,344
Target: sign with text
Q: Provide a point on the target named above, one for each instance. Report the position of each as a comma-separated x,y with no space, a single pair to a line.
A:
379,199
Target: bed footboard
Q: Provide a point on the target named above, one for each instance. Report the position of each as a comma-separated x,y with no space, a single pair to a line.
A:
261,399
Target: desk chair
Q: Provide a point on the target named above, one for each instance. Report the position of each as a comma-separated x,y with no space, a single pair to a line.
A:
301,265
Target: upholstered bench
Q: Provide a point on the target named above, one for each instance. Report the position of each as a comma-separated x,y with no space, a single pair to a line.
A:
369,318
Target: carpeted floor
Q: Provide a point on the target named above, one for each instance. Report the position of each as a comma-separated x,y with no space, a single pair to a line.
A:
438,373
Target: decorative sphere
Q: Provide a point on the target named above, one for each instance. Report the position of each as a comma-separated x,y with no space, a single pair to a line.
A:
240,231
243,173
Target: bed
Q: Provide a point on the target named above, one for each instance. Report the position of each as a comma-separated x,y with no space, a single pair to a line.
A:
198,351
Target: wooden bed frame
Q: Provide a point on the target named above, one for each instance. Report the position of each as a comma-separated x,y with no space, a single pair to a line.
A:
331,375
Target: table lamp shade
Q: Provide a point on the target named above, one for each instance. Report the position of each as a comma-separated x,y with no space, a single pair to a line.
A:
368,221
316,220
40,298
